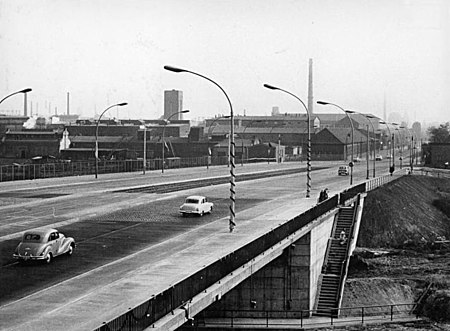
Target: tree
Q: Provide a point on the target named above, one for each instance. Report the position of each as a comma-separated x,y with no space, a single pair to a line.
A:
440,134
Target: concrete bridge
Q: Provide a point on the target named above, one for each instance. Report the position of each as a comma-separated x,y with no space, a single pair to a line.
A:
286,260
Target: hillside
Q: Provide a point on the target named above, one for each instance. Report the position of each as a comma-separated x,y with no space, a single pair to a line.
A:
400,249
404,211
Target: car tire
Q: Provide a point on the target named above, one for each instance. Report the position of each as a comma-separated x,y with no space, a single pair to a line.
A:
210,211
48,259
71,249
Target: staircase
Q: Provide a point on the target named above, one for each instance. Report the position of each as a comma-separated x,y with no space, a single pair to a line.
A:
333,271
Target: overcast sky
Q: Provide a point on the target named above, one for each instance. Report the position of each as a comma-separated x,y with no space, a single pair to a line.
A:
365,53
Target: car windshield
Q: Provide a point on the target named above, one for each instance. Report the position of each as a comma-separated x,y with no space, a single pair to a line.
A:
191,200
32,237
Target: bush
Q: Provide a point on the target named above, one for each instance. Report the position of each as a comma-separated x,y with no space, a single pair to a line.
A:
437,306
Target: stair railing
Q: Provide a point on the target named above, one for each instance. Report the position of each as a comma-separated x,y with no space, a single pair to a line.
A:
345,263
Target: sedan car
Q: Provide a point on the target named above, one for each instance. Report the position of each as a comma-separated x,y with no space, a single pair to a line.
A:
43,245
378,158
343,171
196,204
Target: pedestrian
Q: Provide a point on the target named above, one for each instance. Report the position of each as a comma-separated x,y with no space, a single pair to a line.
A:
342,237
321,194
325,194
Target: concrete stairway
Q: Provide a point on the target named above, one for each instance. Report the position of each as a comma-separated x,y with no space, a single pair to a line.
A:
333,271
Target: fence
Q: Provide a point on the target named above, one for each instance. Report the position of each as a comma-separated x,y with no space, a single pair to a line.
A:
62,169
351,315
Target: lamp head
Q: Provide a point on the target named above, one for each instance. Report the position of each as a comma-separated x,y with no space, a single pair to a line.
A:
26,90
174,69
184,111
350,111
270,87
323,103
122,104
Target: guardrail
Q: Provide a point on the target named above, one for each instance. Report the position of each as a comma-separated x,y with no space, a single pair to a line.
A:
351,315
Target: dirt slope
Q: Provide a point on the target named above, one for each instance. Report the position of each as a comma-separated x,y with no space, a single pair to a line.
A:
403,211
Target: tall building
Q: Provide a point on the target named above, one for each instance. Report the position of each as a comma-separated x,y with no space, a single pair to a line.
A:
173,103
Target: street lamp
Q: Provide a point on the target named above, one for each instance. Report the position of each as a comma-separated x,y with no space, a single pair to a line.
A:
164,129
367,140
24,91
96,134
232,222
209,134
242,140
308,164
369,117
400,149
353,134
391,153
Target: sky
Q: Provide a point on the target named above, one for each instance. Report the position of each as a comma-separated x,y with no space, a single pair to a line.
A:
368,55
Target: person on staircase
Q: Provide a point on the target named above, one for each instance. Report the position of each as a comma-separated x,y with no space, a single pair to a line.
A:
342,238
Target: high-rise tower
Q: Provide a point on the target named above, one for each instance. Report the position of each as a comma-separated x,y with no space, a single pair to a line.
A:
173,103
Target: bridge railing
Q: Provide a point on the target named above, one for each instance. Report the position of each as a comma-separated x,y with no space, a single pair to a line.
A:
349,315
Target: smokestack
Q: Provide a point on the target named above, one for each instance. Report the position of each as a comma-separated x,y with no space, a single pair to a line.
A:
310,89
25,102
68,112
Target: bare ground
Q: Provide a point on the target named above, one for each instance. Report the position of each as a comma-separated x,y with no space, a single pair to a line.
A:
403,250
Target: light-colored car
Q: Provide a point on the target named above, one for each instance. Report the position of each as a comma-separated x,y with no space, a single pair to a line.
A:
356,159
378,158
196,204
43,245
343,171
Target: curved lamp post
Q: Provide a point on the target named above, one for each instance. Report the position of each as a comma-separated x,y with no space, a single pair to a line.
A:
391,153
369,117
232,222
400,141
21,91
277,155
353,133
209,134
367,140
24,91
242,140
96,134
308,164
163,132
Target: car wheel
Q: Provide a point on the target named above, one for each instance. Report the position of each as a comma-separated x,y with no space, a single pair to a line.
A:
210,211
48,258
71,249
202,213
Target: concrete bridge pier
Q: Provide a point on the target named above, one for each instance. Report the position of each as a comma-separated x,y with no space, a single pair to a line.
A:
285,286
